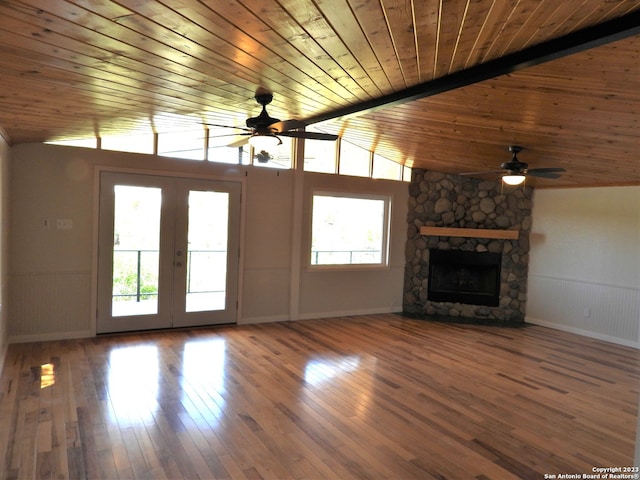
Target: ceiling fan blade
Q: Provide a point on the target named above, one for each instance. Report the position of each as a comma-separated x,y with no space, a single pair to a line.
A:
231,135
309,135
239,143
227,126
237,140
286,125
546,170
542,174
494,172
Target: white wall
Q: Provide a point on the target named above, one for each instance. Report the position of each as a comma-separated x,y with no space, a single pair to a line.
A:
584,273
372,291
4,247
53,271
267,258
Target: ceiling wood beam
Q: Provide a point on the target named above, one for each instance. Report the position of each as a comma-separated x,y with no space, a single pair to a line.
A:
579,41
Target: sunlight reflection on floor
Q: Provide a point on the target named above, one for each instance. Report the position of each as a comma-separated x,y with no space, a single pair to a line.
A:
133,383
324,374
322,370
203,380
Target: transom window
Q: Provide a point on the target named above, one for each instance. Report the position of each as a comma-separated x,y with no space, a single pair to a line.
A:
319,156
349,229
354,160
280,157
220,147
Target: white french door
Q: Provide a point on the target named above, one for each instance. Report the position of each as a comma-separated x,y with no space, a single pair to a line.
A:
168,252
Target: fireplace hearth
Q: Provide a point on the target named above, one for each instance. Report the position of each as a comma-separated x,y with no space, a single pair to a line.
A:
464,277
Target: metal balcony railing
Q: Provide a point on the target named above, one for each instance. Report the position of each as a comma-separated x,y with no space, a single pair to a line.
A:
345,257
135,267
137,272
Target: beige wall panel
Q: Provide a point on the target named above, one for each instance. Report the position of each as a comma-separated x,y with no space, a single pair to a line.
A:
584,274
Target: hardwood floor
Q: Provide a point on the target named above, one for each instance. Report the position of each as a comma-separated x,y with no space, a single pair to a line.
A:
359,397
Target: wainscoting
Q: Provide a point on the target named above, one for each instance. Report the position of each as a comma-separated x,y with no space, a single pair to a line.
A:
606,312
49,306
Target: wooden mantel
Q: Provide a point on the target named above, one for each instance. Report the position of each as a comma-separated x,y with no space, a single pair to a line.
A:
470,232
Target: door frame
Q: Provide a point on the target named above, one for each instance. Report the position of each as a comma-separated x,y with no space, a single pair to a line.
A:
238,177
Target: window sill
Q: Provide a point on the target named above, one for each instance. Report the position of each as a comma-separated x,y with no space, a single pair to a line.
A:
347,267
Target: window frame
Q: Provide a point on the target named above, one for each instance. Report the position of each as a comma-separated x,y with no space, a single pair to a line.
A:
386,232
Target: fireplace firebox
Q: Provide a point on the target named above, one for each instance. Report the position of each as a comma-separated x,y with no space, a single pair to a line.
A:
464,277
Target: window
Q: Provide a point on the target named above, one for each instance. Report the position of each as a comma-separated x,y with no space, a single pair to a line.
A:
232,148
319,156
385,168
349,229
235,155
182,144
406,174
279,158
77,142
354,160
140,143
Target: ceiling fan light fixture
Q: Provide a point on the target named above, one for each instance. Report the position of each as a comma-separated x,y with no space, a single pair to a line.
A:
264,141
513,179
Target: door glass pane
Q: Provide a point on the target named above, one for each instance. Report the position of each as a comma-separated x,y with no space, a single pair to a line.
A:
207,251
136,242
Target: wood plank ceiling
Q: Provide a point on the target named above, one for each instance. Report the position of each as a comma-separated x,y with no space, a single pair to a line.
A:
86,68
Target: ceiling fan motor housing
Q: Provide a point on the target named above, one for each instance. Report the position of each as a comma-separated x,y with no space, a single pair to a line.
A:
261,122
514,166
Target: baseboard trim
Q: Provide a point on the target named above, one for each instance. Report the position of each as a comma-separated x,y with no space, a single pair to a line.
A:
348,313
584,333
265,319
4,348
316,315
48,337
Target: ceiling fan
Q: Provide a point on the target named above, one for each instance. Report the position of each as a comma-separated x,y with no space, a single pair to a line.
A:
514,171
263,131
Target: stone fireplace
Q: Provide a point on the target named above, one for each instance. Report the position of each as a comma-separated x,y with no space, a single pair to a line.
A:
467,249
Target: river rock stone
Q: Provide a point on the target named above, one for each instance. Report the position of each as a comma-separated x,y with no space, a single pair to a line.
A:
439,200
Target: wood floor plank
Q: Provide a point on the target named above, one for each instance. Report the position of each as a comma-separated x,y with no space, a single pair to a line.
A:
372,396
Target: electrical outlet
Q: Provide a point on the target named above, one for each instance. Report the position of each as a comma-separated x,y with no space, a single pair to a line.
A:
46,223
586,312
